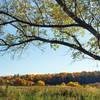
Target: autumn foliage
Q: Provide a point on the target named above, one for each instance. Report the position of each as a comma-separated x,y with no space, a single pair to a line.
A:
73,79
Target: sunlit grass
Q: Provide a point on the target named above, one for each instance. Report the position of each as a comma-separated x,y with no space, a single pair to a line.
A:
49,93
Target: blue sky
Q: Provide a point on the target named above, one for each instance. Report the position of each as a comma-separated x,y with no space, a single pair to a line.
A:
35,61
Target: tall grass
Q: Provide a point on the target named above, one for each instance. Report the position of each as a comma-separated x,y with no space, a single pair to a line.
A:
49,93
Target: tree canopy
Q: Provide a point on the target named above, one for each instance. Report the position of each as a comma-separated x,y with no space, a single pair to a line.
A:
72,23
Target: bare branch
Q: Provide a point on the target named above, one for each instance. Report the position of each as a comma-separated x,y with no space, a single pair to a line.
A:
39,10
9,22
76,40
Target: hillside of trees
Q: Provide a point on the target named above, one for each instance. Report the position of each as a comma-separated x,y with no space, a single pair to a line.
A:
51,79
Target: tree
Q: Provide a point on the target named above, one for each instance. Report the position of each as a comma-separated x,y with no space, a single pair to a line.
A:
72,23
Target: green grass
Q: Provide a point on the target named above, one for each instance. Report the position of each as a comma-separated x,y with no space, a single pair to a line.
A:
49,93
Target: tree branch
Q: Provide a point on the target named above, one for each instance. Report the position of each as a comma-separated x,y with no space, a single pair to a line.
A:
78,20
9,22
37,25
73,46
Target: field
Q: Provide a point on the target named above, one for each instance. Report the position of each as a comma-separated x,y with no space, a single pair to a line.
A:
49,93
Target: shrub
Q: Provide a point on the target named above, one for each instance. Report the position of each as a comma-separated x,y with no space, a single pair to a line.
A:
41,83
63,84
73,84
30,83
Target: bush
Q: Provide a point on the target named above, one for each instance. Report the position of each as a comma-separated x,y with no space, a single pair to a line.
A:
63,84
30,83
73,84
41,83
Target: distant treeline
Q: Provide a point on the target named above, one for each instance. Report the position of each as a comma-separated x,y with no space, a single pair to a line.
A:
51,79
